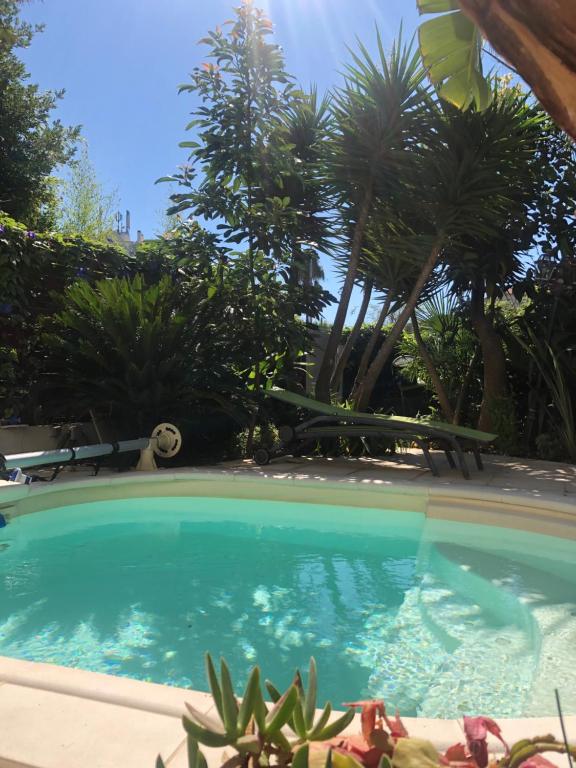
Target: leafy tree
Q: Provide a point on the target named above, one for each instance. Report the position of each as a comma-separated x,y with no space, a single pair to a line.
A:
546,326
186,250
485,268
246,175
86,208
390,260
32,144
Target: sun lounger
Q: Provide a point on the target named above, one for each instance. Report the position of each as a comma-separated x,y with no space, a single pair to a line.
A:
334,421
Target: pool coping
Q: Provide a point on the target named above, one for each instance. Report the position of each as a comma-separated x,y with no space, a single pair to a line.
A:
83,704
541,512
86,707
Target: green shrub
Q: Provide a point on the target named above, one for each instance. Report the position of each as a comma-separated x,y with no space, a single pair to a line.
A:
127,350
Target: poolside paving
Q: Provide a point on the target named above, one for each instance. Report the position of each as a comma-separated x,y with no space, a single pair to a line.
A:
503,473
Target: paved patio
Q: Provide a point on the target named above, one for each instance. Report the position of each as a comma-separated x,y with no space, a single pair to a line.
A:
500,472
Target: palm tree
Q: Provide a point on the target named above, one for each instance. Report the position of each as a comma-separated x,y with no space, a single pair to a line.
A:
393,271
469,177
483,269
354,335
376,116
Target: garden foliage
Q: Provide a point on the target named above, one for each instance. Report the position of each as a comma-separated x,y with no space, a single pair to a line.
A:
32,143
458,223
292,732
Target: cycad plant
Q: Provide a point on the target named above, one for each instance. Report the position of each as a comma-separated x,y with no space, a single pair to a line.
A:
378,117
127,351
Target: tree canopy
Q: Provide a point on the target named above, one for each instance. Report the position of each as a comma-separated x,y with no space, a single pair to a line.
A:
32,143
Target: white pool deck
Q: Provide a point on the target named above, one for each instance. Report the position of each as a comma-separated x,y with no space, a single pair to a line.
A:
52,717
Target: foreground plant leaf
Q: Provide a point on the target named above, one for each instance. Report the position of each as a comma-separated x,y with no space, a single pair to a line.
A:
319,757
476,730
451,49
356,747
282,710
537,761
523,752
415,753
205,736
372,711
457,753
249,700
374,715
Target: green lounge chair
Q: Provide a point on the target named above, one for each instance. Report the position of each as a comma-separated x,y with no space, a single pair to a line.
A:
333,421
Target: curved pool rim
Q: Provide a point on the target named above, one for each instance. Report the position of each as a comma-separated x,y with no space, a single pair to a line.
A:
535,512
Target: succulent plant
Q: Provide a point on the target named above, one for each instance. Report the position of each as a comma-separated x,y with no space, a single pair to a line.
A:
256,732
302,721
288,734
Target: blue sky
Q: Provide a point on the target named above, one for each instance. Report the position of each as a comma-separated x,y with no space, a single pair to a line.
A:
121,61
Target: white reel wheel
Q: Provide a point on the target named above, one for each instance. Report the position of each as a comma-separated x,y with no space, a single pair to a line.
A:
166,440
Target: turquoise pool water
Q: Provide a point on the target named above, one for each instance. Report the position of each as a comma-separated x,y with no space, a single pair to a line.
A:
439,618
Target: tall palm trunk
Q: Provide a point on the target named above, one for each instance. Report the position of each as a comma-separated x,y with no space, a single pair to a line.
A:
367,387
438,386
462,395
371,346
495,390
353,337
327,365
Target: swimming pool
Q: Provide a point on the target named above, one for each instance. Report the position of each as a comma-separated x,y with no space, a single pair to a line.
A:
440,618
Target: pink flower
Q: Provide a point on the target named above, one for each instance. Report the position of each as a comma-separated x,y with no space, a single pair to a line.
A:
372,717
476,730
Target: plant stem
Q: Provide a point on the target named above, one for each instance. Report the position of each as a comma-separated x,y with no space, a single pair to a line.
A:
353,337
439,389
366,388
327,365
372,342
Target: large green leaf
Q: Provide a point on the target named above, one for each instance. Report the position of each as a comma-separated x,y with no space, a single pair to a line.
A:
451,50
415,753
437,6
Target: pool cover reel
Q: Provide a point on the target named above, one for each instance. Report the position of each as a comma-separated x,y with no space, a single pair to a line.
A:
165,441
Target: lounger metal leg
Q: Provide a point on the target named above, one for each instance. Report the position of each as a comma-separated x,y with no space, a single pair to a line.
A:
428,456
302,446
450,458
478,457
461,458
